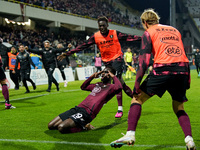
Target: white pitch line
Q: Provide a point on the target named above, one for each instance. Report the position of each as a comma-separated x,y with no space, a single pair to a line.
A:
84,143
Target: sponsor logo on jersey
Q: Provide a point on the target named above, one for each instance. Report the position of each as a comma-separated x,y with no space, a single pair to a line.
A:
169,38
173,51
105,42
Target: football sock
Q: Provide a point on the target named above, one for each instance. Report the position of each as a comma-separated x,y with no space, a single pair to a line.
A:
120,109
130,133
119,98
127,90
134,116
5,93
184,122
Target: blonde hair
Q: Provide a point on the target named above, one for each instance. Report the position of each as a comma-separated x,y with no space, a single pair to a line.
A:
150,16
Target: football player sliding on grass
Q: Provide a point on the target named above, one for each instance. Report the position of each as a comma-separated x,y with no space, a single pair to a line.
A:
78,118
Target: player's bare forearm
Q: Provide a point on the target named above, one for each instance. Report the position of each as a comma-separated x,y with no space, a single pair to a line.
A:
97,74
111,74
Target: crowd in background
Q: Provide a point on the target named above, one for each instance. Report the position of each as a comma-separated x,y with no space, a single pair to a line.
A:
91,8
15,35
34,38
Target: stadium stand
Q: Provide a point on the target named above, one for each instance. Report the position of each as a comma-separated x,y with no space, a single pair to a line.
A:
92,9
34,37
117,13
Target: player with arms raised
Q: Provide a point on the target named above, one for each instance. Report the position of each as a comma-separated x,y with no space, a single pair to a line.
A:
78,118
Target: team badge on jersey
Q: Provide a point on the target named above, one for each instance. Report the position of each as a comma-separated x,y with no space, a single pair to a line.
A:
96,89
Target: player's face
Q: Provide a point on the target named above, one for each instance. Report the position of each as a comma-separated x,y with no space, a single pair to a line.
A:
103,27
105,77
21,48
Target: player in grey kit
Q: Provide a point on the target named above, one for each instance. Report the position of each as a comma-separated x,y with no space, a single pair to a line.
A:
79,117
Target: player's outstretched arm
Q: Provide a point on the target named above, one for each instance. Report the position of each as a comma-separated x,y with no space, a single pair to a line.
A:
60,48
128,37
33,50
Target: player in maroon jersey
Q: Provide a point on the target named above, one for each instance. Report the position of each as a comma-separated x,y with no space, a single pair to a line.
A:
4,87
79,117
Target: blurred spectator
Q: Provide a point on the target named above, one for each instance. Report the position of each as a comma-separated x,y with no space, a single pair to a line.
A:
36,60
197,61
14,75
97,62
61,65
136,61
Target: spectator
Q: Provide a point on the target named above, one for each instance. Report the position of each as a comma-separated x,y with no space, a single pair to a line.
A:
62,65
197,61
36,60
14,75
97,62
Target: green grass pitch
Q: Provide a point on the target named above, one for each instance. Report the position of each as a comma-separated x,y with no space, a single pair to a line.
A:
25,128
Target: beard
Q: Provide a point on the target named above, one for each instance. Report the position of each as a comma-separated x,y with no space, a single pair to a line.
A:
105,80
